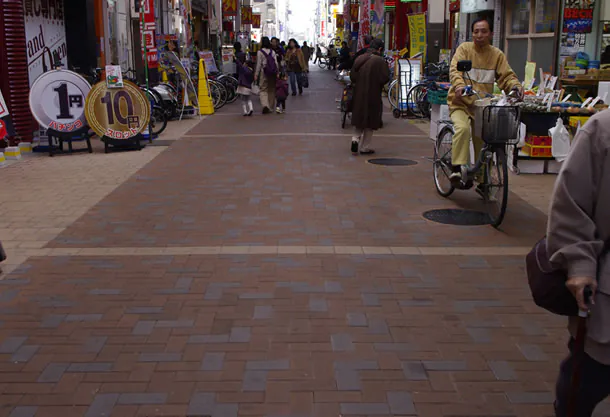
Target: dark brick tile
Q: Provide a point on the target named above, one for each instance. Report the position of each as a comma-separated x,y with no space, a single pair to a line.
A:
90,367
254,381
271,365
531,397
102,405
160,357
240,335
12,344
341,342
414,371
143,398
53,372
213,361
25,353
366,409
502,370
23,411
401,403
445,365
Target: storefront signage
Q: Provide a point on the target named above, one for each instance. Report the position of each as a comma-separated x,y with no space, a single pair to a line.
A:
246,15
117,113
578,16
377,18
474,6
340,21
355,12
57,100
6,125
365,22
149,33
45,34
454,6
417,34
256,21
210,62
229,7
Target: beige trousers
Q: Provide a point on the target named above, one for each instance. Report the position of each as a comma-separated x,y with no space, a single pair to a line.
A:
460,150
267,94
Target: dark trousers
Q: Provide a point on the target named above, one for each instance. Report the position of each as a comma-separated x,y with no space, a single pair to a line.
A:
296,78
594,384
281,103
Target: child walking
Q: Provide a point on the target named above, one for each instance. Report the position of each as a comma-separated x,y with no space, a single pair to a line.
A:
245,76
281,93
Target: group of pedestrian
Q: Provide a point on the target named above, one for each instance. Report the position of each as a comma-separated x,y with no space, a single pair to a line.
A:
277,64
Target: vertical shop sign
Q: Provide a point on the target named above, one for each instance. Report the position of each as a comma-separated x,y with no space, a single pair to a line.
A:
246,15
256,21
45,33
377,18
355,12
6,125
229,8
148,32
365,22
340,21
578,16
417,34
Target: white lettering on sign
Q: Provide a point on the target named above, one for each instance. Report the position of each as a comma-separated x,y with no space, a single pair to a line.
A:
45,34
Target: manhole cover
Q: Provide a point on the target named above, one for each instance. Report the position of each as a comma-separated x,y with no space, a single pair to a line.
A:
395,162
458,217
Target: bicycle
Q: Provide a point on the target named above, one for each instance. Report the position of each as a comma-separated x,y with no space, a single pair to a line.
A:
498,127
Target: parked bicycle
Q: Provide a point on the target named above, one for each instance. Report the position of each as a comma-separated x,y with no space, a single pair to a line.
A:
498,127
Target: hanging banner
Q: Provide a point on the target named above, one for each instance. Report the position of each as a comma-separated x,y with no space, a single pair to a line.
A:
354,12
377,18
578,16
417,34
365,22
347,18
340,21
45,36
229,8
256,21
246,15
149,33
6,125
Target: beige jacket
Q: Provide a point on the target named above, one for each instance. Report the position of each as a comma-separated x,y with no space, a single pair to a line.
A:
489,65
579,224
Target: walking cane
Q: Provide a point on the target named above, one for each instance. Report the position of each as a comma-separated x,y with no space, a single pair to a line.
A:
578,354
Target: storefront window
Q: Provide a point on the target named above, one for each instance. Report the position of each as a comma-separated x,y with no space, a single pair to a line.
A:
520,21
546,12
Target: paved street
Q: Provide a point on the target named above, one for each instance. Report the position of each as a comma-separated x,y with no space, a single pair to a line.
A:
256,268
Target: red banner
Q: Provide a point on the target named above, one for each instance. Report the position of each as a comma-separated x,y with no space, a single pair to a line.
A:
256,21
340,21
229,7
246,15
355,12
148,32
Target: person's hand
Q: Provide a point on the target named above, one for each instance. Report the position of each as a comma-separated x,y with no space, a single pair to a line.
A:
518,92
577,286
459,93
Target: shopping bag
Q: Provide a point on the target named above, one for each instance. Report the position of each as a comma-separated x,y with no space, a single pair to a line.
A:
560,141
305,80
256,90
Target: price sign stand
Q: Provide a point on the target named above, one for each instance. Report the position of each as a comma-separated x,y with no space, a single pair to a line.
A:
78,136
120,145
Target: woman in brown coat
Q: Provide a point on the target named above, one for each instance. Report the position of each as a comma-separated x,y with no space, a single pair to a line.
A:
369,74
295,65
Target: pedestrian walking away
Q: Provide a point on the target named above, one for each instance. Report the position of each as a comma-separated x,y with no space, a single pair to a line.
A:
577,242
369,74
295,65
266,74
245,77
318,54
281,93
306,54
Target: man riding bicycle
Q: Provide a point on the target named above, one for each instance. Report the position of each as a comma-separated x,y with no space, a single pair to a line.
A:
489,64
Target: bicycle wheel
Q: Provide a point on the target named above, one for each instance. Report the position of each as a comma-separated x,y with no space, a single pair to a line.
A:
231,85
417,98
393,94
495,187
215,94
442,162
158,120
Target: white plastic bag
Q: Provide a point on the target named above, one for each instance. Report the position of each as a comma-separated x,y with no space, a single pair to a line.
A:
256,90
561,141
522,134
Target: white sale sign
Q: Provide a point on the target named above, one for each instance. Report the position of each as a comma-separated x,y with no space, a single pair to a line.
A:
45,33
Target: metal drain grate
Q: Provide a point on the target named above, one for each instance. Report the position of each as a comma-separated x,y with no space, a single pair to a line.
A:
458,217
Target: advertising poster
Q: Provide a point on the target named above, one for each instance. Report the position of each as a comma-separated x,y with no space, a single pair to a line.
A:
6,125
229,7
578,16
340,22
572,43
354,12
377,18
417,34
210,62
365,22
246,15
114,76
256,21
148,34
45,34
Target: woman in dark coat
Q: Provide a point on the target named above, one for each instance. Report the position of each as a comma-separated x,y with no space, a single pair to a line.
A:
369,74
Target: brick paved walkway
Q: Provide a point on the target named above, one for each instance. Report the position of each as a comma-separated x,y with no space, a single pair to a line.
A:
256,268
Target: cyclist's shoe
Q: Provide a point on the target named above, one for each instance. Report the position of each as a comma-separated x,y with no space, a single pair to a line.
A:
459,174
355,146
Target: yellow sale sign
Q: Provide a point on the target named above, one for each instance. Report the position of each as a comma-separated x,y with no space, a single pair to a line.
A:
417,33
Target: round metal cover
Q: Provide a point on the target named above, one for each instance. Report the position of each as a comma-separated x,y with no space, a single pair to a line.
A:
57,100
458,217
394,162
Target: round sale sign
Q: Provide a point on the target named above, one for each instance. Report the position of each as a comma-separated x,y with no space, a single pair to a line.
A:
57,100
117,113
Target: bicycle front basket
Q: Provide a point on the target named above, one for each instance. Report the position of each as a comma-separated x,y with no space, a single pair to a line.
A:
497,125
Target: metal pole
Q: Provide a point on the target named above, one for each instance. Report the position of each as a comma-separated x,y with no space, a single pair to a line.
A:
143,23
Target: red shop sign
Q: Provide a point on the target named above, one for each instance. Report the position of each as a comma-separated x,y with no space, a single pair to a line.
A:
148,33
